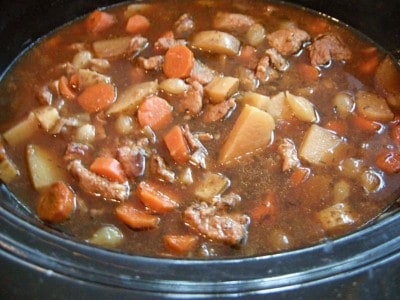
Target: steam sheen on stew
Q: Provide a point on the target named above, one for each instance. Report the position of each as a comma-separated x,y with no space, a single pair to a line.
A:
202,129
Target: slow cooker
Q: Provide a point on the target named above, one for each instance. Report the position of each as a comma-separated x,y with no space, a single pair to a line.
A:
39,262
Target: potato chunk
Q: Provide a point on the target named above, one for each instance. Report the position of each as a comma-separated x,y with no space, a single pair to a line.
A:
221,88
278,107
216,42
211,185
336,216
319,145
22,131
255,99
252,131
302,108
373,107
48,117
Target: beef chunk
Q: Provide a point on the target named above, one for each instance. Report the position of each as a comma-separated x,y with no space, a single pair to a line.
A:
326,48
226,201
264,70
217,225
133,160
192,101
288,152
184,26
201,73
277,60
153,63
76,151
159,169
288,41
215,112
237,23
96,185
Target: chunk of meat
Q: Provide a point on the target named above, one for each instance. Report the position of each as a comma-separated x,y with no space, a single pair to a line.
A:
160,170
153,63
215,112
137,44
199,152
168,41
44,95
201,73
192,101
184,26
226,201
97,185
288,152
76,151
264,71
326,48
217,225
277,60
288,41
232,22
133,160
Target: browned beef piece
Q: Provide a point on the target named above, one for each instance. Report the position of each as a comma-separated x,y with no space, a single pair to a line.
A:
237,23
288,41
264,70
192,101
326,48
215,112
217,225
137,45
199,152
160,170
288,152
226,201
166,42
201,73
76,151
184,26
132,159
277,60
96,185
153,63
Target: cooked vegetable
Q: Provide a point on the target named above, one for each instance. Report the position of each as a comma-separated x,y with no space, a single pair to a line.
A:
178,62
155,199
299,176
255,35
99,21
373,107
116,47
174,86
216,42
388,161
97,97
134,218
180,243
221,88
124,124
266,209
387,81
336,216
107,236
48,116
302,108
108,167
85,134
177,145
128,101
341,191
88,78
344,104
82,59
56,203
252,131
212,184
371,181
278,107
22,131
137,24
255,99
308,73
364,124
154,112
319,145
44,167
65,89
8,170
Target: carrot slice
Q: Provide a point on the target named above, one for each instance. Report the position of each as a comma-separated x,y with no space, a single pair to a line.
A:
336,126
137,24
56,204
308,72
97,97
108,167
180,243
178,62
155,112
99,21
365,125
154,199
65,89
176,144
388,162
134,218
265,209
299,175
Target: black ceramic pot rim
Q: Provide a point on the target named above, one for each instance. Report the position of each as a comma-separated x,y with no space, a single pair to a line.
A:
54,253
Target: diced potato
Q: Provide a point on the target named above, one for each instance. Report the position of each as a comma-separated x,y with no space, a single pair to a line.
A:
216,42
371,181
387,81
302,108
124,125
186,176
351,167
8,170
336,216
85,134
319,145
82,59
129,100
341,191
48,116
252,131
114,47
107,236
221,88
174,86
373,107
89,77
44,167
344,104
278,108
255,99
211,185
22,131
136,8
255,35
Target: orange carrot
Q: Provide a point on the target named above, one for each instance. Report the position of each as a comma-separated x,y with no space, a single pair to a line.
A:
178,62
155,112
65,89
265,209
134,218
308,72
248,57
388,162
97,97
137,24
177,145
395,134
364,124
151,196
180,243
299,175
99,21
108,167
336,126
